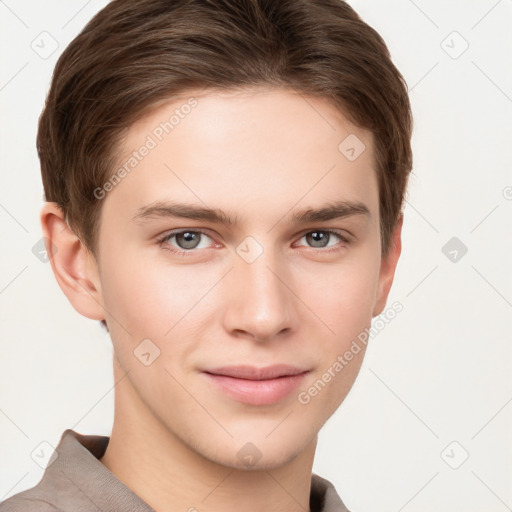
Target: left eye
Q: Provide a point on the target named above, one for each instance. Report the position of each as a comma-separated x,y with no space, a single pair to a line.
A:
320,238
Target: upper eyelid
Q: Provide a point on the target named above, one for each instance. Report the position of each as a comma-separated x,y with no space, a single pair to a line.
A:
336,231
173,233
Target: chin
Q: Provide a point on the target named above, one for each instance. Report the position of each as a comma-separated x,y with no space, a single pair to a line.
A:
261,453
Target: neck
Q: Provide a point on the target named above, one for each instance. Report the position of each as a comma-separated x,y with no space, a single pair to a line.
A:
170,476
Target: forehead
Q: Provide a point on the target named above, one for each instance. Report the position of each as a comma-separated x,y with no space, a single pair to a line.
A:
254,147
271,116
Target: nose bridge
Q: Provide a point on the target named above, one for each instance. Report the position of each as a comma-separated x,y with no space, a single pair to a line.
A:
262,303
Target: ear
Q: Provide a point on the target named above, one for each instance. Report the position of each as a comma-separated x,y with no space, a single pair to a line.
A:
388,266
75,268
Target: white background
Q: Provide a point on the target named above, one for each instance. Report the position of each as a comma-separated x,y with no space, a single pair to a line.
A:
438,373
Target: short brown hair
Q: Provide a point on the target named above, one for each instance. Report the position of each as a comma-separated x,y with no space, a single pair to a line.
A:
134,53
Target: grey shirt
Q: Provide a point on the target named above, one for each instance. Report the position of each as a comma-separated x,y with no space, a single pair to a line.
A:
77,481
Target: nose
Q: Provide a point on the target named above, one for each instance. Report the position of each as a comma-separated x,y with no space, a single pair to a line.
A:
261,303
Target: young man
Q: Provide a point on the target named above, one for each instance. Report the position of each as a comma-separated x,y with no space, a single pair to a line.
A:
224,185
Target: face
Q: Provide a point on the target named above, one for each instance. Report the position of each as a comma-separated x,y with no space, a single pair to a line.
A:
211,256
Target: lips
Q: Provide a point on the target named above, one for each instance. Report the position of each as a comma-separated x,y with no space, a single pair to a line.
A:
256,386
253,373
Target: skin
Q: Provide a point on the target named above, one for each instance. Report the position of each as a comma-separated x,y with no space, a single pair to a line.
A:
260,156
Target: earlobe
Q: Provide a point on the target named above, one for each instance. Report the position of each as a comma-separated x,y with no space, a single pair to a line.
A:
388,267
73,266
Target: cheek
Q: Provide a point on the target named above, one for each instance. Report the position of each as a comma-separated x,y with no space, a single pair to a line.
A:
143,292
145,298
345,305
343,295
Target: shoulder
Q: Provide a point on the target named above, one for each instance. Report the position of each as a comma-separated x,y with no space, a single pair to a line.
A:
23,502
53,492
324,496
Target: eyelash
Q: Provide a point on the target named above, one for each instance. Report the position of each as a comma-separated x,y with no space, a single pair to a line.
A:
190,252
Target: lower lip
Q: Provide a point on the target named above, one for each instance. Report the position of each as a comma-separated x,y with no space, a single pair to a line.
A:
257,392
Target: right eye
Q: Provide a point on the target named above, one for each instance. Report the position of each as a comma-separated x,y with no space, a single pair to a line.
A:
187,241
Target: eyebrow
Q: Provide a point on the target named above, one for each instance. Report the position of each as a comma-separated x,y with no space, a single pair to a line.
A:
172,209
